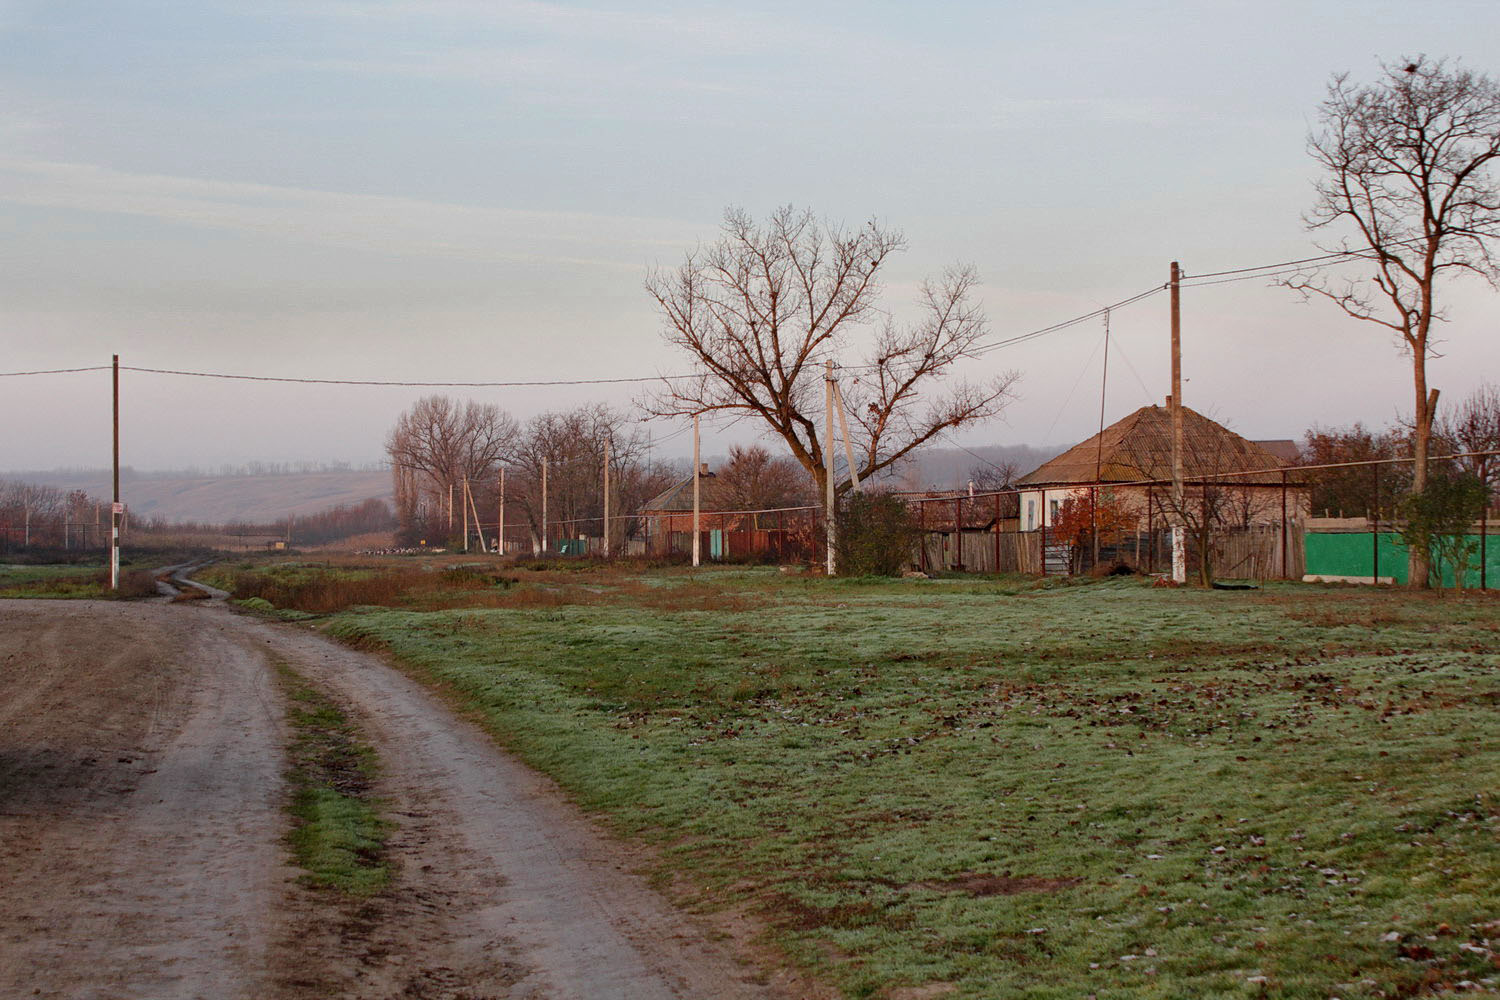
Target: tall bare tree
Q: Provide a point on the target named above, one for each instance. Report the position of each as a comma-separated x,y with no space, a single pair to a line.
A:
1474,426
573,443
439,443
1407,180
753,479
760,310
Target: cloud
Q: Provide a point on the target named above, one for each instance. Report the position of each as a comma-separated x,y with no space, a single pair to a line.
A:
382,224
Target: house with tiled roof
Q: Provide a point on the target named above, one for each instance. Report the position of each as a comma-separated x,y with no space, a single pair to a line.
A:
1132,460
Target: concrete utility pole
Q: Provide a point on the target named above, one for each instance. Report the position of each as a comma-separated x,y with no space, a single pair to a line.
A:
697,538
838,398
830,528
1176,385
464,503
116,508
1179,535
544,506
606,498
500,527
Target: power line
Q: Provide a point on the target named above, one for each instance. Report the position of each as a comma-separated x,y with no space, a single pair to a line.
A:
1196,280
57,371
399,382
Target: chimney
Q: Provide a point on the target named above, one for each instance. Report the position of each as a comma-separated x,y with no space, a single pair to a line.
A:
703,470
1169,401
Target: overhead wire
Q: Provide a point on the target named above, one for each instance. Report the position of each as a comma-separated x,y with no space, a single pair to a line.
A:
1187,280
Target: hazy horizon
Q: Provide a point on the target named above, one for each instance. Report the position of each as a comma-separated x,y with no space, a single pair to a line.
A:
461,191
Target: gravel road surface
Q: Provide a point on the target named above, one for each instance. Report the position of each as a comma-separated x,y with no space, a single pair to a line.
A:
142,835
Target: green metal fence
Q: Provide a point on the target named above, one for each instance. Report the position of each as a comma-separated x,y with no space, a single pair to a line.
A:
1353,554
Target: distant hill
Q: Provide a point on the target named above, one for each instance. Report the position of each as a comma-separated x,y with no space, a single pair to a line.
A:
950,468
938,468
212,499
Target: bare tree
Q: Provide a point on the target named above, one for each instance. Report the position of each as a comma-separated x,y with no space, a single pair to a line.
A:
573,444
1407,167
991,477
760,310
753,480
436,445
1474,426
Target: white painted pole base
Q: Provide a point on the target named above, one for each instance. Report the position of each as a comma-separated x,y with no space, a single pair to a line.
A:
1179,554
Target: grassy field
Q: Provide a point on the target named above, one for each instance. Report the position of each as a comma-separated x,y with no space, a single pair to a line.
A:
72,580
988,788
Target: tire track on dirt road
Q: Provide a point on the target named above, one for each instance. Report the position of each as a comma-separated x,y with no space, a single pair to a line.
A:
141,806
141,826
522,873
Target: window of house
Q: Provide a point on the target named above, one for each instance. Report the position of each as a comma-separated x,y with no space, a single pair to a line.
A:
1055,505
1030,515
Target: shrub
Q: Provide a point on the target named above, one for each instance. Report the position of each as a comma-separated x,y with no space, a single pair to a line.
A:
876,535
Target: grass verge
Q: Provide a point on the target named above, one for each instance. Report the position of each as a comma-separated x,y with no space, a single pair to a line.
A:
73,581
338,837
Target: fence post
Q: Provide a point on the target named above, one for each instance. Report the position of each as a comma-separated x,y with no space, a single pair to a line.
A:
1094,519
921,536
997,533
1150,530
1044,532
1285,569
958,534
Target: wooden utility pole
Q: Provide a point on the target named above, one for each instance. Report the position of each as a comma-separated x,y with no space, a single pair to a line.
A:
544,506
500,526
830,527
116,508
697,496
606,498
838,398
473,507
1176,385
1099,448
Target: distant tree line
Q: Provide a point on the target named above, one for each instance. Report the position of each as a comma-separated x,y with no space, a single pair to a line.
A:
45,517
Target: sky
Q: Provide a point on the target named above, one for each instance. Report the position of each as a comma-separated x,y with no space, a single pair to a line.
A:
455,190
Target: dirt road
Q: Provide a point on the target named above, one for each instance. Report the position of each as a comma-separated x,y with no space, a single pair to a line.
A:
141,834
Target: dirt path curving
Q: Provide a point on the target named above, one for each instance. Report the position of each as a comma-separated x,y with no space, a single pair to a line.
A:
140,834
140,805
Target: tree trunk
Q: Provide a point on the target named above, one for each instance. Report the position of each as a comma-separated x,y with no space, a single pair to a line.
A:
1418,558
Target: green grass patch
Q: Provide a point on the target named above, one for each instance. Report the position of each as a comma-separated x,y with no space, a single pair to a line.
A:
339,836
73,580
1023,789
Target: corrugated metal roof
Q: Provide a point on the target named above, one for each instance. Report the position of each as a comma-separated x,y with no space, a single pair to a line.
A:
1140,447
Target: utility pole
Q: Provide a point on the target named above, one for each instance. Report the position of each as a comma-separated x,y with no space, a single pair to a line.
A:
544,505
450,508
1099,449
838,398
1179,535
697,496
606,498
116,508
830,528
500,527
465,504
1176,385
